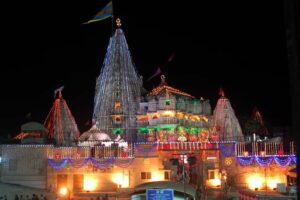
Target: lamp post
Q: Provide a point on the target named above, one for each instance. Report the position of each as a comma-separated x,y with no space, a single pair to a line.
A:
183,176
183,156
64,192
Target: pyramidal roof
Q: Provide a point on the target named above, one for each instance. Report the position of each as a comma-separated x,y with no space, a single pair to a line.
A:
225,121
61,124
257,116
118,84
164,88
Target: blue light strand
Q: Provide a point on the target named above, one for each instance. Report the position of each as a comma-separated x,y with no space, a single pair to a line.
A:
58,165
282,161
102,163
145,152
124,163
245,161
78,163
227,151
294,159
264,161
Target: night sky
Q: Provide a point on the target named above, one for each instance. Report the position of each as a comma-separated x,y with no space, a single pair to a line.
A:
238,45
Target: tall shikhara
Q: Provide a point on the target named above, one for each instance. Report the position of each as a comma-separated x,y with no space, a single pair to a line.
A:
60,123
117,91
225,121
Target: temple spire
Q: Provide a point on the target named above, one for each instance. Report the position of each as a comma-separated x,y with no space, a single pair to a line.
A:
225,121
117,90
118,22
60,123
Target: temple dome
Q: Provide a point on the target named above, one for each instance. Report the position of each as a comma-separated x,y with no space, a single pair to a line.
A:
94,134
33,126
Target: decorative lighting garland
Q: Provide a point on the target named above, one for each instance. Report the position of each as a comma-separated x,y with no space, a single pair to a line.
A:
294,159
281,161
227,151
144,151
58,165
103,163
124,162
245,161
78,163
264,161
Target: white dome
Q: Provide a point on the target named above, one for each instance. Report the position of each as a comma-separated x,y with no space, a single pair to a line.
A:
94,134
99,137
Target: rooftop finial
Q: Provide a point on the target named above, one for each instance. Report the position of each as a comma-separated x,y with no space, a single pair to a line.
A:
58,90
221,92
163,79
118,22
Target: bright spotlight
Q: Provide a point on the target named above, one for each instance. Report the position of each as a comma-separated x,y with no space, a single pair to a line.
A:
63,191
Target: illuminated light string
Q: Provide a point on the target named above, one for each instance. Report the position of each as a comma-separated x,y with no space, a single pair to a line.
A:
124,162
245,161
264,161
102,163
145,151
97,163
78,163
294,159
281,161
226,150
58,165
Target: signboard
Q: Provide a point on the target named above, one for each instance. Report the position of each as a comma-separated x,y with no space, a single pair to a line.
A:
160,194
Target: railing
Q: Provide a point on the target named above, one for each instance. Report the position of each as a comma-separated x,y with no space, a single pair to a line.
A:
142,124
104,150
187,146
167,121
163,120
264,148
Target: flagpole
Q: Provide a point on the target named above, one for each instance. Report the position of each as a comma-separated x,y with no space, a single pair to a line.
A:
112,17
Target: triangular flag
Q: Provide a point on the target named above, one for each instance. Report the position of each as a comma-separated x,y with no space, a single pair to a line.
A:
106,12
158,72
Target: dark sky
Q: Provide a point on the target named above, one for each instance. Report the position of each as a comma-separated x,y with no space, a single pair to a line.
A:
238,45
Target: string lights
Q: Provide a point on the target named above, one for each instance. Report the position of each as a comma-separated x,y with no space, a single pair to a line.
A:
266,161
103,163
227,150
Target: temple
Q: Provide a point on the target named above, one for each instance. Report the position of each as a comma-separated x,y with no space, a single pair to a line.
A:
166,138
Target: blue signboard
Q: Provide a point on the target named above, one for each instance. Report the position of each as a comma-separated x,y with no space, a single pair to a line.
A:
160,194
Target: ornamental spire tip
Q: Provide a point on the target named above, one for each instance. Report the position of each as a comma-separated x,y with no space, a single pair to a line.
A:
118,22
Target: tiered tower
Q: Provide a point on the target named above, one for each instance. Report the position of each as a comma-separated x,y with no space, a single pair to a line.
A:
117,91
173,115
226,123
60,123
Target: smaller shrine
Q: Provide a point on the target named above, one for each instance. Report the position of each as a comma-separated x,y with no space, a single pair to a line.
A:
169,114
60,123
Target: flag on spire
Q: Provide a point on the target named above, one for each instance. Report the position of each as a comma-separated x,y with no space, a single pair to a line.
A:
106,12
221,92
158,72
171,57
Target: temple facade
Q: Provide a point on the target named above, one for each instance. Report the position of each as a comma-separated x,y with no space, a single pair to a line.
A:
165,138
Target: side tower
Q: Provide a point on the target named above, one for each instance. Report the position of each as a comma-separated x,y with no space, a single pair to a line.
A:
171,115
117,92
226,123
60,123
